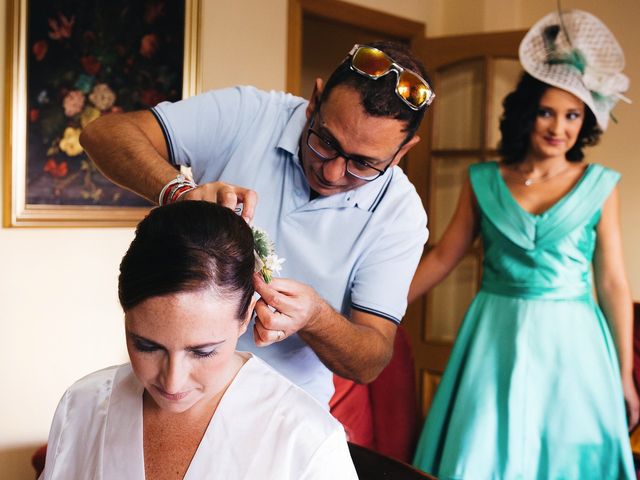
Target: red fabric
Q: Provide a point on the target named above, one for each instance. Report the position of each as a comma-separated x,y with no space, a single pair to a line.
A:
351,405
383,415
636,365
636,342
396,418
38,458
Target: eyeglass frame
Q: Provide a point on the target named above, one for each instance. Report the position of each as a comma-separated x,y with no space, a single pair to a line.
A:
346,156
394,67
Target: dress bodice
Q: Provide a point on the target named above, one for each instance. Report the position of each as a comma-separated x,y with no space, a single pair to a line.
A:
539,256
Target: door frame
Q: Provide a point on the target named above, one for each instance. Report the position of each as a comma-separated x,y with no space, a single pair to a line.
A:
344,13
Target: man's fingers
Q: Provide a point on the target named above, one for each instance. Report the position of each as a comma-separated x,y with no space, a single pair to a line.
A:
284,303
264,336
249,200
227,197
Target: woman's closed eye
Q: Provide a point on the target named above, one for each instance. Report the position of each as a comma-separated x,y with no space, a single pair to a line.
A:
204,353
145,346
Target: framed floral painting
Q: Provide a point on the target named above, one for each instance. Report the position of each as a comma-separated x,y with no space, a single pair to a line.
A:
70,62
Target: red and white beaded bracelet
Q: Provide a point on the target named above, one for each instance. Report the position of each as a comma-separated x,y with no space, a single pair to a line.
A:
173,190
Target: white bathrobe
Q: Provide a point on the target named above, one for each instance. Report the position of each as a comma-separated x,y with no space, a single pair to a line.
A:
264,428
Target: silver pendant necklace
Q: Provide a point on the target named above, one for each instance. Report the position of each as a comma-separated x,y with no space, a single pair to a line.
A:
542,178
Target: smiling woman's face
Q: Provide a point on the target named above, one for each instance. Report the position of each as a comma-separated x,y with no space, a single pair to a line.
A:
182,347
558,123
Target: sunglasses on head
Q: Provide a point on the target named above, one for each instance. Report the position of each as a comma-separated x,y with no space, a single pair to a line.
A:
412,89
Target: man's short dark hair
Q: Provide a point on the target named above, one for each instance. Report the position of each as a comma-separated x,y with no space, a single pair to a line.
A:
378,96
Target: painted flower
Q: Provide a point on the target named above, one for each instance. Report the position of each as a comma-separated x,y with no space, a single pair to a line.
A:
61,28
55,169
84,83
114,109
43,97
89,114
88,36
73,103
149,45
153,11
151,97
34,115
40,49
90,64
70,143
102,96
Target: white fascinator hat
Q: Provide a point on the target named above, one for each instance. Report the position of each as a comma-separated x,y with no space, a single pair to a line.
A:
576,52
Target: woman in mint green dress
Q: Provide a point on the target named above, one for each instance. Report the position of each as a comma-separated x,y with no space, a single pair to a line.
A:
540,373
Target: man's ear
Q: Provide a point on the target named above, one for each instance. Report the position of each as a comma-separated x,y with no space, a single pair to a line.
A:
245,322
405,148
314,101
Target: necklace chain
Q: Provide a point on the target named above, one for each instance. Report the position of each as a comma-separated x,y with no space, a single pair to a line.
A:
542,178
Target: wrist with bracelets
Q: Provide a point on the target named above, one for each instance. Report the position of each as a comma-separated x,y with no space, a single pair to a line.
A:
173,190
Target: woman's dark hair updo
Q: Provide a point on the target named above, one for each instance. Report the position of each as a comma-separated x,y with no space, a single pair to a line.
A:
519,116
185,247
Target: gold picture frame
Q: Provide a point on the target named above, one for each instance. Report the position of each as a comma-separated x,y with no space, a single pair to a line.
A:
56,83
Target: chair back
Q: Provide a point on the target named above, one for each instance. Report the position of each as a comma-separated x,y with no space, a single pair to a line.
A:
371,465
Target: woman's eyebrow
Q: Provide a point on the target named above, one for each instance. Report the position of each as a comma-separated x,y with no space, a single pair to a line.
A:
144,339
206,345
159,345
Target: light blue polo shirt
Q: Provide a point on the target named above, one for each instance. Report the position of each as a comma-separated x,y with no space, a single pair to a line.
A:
358,249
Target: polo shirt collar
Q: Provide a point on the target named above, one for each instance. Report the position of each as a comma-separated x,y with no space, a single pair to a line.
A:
290,138
365,197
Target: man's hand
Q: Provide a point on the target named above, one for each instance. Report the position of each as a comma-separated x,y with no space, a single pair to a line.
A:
285,308
226,195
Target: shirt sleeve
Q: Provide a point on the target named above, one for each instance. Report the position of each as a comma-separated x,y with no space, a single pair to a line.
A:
332,460
201,131
55,436
382,280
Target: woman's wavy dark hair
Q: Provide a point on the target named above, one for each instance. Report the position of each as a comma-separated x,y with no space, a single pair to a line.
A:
185,247
519,116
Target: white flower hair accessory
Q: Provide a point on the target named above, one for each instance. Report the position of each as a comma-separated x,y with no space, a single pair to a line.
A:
267,262
574,51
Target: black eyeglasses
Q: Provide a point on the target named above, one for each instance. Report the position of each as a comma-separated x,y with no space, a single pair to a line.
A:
327,150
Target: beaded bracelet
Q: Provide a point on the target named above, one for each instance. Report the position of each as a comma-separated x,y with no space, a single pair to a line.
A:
173,190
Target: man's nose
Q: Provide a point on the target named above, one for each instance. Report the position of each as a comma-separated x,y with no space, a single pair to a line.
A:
334,170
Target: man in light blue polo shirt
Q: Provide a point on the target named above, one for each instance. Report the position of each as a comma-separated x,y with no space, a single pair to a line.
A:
321,178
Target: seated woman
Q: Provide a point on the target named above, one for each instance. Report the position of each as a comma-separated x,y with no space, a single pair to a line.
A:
189,405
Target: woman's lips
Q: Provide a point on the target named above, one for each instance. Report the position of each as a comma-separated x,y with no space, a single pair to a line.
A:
174,397
554,141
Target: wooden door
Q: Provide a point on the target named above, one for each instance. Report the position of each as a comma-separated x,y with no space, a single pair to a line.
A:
471,74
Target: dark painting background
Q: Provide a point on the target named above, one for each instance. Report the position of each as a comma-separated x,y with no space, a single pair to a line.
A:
87,59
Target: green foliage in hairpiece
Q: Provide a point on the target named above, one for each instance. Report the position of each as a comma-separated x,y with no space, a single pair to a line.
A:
267,262
573,57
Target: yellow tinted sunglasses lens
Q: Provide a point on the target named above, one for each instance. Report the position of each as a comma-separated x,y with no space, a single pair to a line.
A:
413,89
371,61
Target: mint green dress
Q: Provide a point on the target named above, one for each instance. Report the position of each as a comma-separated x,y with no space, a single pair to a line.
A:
532,389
